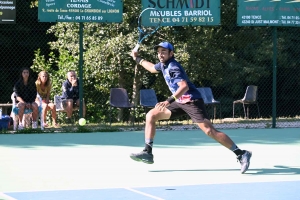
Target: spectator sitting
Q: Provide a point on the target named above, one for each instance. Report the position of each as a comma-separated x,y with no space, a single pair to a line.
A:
25,91
43,86
71,94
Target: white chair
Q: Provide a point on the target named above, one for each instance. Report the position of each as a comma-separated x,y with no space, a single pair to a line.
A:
58,102
209,100
250,97
27,114
60,107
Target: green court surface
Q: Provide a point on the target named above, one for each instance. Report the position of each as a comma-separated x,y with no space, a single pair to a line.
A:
188,165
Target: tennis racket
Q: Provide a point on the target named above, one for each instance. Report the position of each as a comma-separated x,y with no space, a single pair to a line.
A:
148,23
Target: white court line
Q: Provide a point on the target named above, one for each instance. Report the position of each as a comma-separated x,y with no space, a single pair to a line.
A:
6,196
145,194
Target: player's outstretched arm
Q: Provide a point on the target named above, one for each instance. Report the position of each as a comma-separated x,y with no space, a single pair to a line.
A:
148,66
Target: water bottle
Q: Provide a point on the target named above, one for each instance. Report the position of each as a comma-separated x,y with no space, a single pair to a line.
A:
0,113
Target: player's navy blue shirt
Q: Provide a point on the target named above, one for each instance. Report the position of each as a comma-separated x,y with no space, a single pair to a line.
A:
173,73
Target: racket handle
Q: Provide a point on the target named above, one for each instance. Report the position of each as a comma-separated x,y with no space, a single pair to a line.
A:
136,48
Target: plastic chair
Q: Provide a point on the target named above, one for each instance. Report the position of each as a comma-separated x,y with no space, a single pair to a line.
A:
59,101
119,99
208,99
250,97
59,105
148,98
203,94
212,101
27,114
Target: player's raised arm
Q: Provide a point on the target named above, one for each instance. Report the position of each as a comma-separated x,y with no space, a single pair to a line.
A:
144,63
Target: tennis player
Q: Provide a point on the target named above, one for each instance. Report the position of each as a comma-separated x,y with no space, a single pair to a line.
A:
185,99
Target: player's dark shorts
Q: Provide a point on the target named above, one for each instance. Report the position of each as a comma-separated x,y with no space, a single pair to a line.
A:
195,109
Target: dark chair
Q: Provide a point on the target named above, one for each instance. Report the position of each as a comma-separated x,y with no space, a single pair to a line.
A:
208,99
148,98
250,97
119,99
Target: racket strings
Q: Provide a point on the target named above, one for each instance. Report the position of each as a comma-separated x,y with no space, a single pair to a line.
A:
149,22
147,30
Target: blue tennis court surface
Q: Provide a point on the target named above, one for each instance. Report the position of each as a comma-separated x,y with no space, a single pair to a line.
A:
188,166
259,191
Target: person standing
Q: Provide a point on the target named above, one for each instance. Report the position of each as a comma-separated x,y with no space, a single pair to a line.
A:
185,99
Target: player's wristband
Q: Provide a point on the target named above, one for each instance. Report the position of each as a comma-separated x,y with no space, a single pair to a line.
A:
171,99
138,60
141,61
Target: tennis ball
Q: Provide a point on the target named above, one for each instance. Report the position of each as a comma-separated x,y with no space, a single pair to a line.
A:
82,121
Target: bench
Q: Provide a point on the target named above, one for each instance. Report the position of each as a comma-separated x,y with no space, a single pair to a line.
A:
4,107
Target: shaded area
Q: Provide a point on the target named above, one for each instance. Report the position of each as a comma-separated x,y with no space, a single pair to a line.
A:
163,138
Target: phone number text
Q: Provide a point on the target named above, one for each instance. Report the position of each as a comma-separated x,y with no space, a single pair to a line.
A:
87,18
182,20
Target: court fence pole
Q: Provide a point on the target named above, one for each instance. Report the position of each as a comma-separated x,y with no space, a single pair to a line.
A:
274,76
80,69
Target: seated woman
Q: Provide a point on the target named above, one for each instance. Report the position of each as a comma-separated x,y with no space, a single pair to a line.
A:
25,91
43,86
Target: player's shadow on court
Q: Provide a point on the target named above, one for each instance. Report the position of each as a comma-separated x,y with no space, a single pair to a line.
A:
277,170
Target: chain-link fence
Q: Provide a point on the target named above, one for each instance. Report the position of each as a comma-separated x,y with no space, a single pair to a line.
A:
227,58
